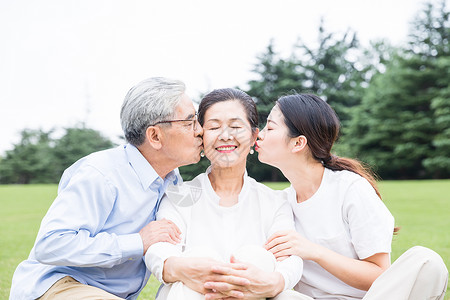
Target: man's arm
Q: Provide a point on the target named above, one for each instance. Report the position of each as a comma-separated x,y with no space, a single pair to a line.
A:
71,232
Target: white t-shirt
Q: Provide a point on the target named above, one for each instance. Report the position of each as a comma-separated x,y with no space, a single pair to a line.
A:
194,208
346,216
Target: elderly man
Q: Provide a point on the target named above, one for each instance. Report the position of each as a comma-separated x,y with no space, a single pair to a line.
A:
92,240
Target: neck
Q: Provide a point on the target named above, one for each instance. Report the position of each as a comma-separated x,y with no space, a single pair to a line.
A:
305,176
227,183
159,162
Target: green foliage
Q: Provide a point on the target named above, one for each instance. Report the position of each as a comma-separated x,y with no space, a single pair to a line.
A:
332,70
38,158
30,160
401,124
75,144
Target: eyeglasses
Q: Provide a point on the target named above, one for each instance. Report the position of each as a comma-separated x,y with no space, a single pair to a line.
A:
193,120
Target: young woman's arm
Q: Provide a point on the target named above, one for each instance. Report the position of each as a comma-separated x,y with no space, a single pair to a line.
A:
356,273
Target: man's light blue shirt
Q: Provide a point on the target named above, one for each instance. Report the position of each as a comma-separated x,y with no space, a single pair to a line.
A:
91,231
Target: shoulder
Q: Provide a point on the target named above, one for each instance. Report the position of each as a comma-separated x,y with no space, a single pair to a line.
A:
186,194
343,182
94,166
266,194
107,160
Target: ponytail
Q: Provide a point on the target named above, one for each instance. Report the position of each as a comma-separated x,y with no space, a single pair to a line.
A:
336,163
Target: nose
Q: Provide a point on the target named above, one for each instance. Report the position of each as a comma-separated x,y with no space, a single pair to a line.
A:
261,134
198,129
225,134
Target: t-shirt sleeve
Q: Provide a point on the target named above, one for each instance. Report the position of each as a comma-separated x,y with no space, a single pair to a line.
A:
283,216
371,225
291,268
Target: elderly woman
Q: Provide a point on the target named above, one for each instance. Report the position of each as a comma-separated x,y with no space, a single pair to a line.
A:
225,217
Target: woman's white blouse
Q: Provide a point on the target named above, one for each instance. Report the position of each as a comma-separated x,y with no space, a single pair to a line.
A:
194,208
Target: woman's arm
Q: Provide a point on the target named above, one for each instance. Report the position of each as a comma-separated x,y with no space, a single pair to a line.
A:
356,273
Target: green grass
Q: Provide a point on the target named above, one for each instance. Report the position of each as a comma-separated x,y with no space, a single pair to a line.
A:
421,209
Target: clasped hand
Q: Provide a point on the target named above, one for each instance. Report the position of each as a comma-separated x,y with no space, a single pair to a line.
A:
242,281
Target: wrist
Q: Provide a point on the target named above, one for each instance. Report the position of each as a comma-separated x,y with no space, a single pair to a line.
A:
319,254
277,285
170,270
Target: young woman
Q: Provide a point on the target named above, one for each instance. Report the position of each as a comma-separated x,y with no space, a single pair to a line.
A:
343,229
220,212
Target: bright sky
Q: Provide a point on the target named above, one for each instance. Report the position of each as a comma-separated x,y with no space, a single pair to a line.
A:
65,62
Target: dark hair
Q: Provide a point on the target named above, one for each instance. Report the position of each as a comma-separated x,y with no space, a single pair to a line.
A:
309,115
221,95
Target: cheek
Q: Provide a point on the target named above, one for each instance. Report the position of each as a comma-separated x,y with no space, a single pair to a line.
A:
209,139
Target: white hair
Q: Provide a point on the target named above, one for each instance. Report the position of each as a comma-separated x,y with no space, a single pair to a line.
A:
150,101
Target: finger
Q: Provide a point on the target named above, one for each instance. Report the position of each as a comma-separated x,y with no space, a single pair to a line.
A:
175,236
277,234
224,289
174,226
276,241
237,265
224,270
280,247
284,253
281,258
237,281
218,296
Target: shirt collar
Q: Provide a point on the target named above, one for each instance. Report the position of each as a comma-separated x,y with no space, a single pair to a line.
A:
144,170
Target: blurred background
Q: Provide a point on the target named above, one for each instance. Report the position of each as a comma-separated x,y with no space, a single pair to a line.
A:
384,66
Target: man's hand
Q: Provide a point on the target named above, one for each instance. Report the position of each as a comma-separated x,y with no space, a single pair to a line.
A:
195,271
261,284
159,231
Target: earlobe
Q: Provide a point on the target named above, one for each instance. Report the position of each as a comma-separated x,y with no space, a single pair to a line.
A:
154,135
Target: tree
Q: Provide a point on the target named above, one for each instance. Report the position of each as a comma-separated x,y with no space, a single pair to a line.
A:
438,160
74,144
30,160
332,70
38,158
397,127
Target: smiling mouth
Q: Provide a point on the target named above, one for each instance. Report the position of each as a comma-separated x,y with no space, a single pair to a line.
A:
226,149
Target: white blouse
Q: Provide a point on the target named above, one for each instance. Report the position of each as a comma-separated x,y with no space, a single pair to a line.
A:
194,208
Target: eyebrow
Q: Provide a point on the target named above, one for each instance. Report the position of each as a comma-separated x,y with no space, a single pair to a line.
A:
189,117
219,121
268,120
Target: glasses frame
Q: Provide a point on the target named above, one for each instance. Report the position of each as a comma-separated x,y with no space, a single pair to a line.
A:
194,121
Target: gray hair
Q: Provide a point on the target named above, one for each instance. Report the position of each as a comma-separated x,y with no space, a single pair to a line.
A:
150,101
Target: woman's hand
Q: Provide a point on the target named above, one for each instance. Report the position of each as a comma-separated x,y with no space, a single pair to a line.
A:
194,272
357,273
260,284
289,242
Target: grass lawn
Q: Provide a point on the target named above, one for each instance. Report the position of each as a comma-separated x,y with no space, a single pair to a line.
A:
421,209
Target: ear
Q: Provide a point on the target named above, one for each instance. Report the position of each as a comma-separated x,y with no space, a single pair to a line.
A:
300,143
255,136
154,136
